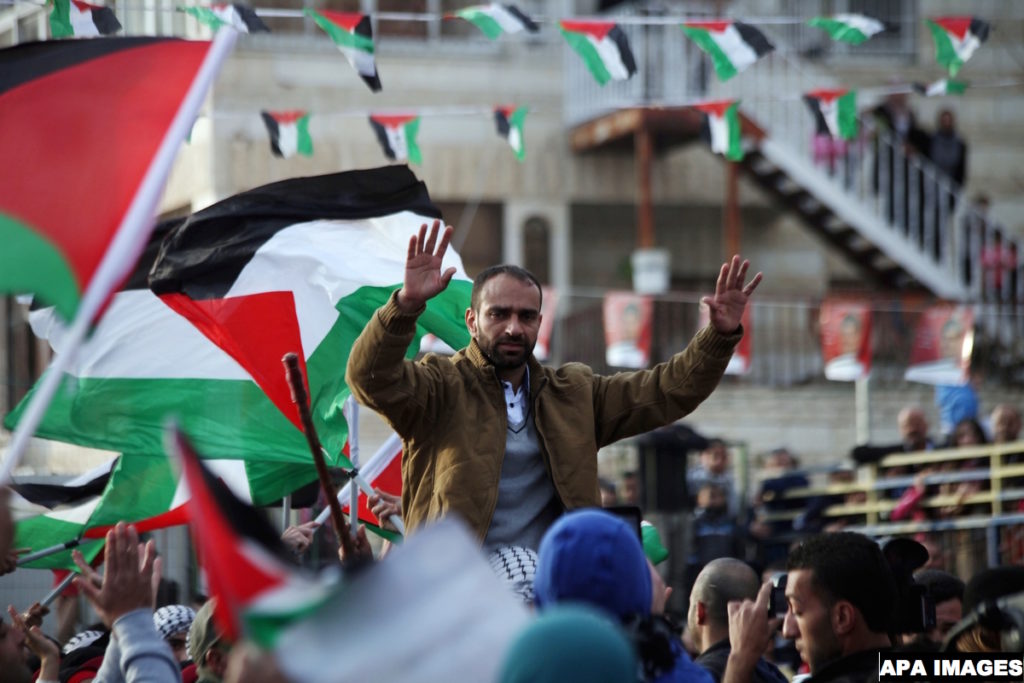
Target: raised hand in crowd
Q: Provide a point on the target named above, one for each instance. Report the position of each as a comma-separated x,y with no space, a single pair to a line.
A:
9,561
730,298
298,537
47,650
750,634
33,616
384,506
129,579
423,277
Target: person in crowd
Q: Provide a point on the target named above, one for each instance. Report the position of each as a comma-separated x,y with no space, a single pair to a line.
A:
516,566
1005,423
974,226
207,646
12,655
593,557
608,495
781,474
298,537
840,591
714,467
714,532
913,426
948,151
723,581
987,586
898,138
999,267
570,644
630,494
123,598
492,435
947,594
173,622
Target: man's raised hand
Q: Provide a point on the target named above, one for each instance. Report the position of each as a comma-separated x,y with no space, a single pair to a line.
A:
726,306
423,277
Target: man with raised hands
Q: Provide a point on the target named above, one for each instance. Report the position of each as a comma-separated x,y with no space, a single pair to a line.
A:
492,435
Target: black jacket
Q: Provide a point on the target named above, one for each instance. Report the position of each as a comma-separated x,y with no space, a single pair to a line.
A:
714,659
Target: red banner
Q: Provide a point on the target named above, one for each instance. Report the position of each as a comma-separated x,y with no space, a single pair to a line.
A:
846,339
942,347
628,319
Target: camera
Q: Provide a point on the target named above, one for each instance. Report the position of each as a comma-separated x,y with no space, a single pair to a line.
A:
777,603
915,610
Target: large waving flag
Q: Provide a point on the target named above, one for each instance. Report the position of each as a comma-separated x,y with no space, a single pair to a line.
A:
603,47
72,104
289,132
732,45
74,18
316,255
849,28
724,127
956,39
397,136
353,34
239,17
144,490
835,112
494,19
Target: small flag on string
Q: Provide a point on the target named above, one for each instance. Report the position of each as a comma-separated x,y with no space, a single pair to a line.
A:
835,112
943,86
495,19
76,19
849,28
603,47
289,132
397,136
509,121
239,17
724,126
732,45
353,35
956,39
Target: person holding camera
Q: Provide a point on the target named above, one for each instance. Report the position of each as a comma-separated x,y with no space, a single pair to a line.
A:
841,593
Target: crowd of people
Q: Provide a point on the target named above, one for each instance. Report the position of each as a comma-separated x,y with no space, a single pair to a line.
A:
509,448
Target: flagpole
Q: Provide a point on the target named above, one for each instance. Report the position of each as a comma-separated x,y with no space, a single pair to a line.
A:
352,410
46,552
124,249
57,590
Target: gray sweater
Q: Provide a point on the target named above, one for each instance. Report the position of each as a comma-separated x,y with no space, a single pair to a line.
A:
137,653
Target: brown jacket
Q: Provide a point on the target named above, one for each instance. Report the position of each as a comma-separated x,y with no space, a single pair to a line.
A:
450,413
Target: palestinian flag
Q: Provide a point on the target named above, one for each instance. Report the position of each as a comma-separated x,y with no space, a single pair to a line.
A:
943,86
289,133
495,18
956,39
64,99
144,490
835,112
239,17
849,28
383,471
249,571
732,45
353,35
76,19
298,265
724,127
603,47
397,136
509,121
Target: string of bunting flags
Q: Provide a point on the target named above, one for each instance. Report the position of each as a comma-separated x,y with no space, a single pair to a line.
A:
731,45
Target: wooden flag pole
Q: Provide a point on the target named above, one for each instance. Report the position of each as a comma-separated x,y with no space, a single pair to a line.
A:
297,384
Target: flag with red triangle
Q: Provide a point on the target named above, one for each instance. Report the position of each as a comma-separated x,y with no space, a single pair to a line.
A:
65,99
956,39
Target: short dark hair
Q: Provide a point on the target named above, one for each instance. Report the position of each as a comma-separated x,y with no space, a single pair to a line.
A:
850,566
519,273
941,586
